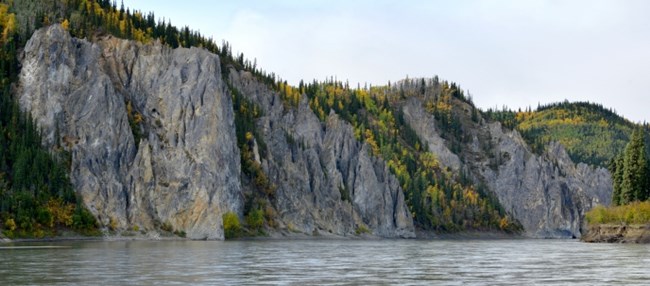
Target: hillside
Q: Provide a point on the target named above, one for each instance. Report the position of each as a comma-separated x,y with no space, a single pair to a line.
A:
196,141
36,196
591,133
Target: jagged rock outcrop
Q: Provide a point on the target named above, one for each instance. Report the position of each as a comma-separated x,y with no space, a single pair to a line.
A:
547,194
326,180
152,141
185,172
151,135
425,126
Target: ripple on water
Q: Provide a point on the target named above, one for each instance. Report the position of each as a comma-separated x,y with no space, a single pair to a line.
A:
330,262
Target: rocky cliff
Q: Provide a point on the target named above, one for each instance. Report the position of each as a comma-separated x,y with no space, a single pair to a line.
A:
315,165
547,193
96,99
152,141
151,135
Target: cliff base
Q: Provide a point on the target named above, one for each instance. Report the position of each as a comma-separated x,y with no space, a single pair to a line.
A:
618,233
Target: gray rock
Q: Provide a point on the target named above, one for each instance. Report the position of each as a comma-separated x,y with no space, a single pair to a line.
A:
185,171
313,164
184,174
547,194
424,125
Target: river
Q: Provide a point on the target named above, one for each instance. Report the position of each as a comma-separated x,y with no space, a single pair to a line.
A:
330,262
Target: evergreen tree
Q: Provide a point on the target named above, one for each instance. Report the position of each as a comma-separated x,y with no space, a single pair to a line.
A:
634,181
617,178
643,191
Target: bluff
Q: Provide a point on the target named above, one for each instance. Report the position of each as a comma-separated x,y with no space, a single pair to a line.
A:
314,164
547,193
151,136
153,143
92,98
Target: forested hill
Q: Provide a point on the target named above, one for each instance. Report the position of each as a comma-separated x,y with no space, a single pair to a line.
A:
36,197
590,132
439,199
416,152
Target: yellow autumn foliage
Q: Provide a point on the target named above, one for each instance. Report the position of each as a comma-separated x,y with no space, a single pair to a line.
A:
7,22
61,212
370,139
65,24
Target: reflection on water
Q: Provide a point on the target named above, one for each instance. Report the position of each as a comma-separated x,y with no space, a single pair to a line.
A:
465,262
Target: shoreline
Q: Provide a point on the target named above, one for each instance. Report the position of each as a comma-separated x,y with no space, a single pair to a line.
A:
617,233
88,239
467,235
274,236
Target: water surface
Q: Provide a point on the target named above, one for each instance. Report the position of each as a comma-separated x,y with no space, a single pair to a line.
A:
313,262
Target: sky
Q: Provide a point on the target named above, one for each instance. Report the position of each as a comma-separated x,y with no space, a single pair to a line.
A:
503,52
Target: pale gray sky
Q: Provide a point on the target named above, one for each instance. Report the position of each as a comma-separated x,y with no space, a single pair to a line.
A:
515,53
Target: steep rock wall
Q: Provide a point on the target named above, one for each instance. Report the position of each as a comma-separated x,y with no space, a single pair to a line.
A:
184,169
548,193
319,163
152,141
185,172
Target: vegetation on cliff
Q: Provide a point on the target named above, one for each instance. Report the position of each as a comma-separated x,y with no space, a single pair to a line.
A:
438,198
630,171
91,19
36,197
590,133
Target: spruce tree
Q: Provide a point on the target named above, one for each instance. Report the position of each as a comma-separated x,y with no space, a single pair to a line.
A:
617,178
634,182
642,172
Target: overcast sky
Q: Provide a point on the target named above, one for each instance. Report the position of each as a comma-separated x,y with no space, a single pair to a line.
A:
515,53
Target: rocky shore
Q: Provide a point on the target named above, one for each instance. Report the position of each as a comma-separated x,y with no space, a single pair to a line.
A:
618,233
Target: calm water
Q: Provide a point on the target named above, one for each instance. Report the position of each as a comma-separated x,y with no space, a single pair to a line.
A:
466,262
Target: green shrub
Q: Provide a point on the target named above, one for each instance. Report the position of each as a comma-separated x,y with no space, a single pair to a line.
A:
180,233
10,224
634,213
9,234
167,227
255,219
362,229
231,225
345,194
82,219
44,217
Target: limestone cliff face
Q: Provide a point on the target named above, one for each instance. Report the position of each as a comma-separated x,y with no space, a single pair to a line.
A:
95,100
185,172
313,164
548,194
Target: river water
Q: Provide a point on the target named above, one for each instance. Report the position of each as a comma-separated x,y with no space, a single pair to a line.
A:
314,262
